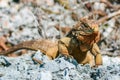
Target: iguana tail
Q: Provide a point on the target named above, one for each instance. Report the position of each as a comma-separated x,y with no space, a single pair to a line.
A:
42,45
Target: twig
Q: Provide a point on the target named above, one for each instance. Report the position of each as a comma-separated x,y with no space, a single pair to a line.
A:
38,25
110,5
103,19
36,60
96,12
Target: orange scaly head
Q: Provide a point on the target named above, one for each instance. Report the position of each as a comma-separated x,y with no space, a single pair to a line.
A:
87,32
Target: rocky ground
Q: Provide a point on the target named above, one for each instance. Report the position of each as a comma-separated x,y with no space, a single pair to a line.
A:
29,19
24,68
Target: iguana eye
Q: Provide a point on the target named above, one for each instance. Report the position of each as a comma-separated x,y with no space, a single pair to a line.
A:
86,25
89,31
73,33
76,34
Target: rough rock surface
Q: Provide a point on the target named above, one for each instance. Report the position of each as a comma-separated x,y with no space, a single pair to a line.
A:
24,68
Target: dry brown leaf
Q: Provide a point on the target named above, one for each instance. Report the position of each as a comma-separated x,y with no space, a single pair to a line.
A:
2,43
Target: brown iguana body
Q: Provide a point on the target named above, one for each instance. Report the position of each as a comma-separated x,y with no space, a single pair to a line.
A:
66,45
81,45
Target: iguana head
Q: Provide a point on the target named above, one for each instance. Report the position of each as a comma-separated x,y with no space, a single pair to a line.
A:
85,27
87,32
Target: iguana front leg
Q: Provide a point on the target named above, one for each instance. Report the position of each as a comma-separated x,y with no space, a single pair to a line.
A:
96,52
63,47
52,52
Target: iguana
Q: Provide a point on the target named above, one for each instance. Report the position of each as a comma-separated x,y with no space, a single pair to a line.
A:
80,43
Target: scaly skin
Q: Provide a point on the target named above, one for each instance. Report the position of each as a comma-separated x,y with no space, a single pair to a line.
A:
79,44
42,45
66,46
70,46
84,37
